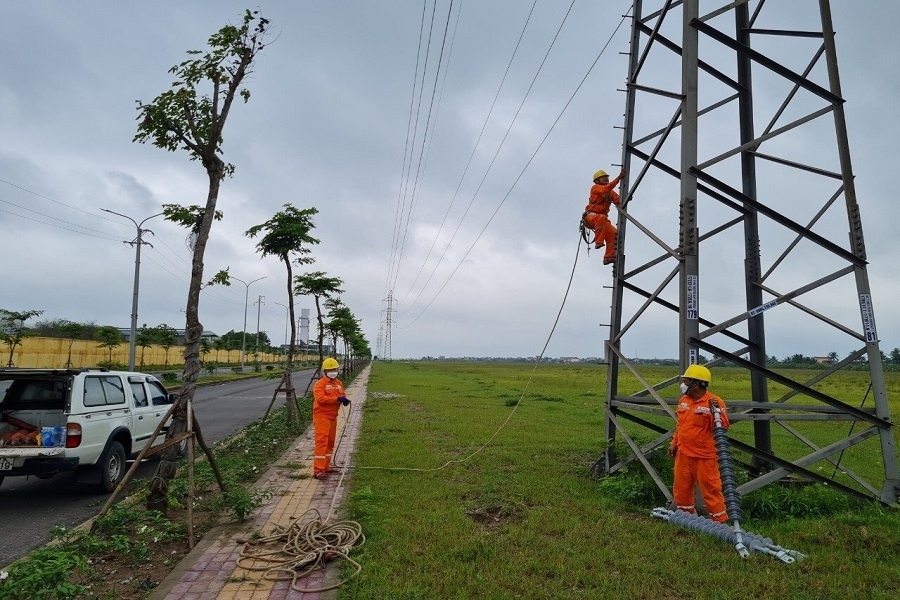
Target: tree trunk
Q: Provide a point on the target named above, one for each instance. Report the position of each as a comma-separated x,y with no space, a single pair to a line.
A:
157,497
290,395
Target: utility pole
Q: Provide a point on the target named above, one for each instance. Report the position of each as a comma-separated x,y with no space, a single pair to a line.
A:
137,277
246,300
258,307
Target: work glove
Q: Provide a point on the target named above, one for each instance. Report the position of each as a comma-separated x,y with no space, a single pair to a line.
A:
343,400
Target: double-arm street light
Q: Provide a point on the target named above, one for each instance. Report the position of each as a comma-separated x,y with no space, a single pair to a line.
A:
246,302
137,277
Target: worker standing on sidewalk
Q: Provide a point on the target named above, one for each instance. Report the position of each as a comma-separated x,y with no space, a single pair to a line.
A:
328,396
596,213
694,448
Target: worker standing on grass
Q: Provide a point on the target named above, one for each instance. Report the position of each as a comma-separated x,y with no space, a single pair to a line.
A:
328,396
596,213
693,446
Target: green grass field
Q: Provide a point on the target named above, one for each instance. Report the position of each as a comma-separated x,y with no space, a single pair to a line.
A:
462,495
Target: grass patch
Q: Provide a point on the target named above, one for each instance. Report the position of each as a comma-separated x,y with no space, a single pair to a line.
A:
523,518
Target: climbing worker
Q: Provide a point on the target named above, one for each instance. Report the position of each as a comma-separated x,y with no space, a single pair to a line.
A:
596,213
328,396
694,448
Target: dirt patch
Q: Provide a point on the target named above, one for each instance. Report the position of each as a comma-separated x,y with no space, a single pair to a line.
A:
492,517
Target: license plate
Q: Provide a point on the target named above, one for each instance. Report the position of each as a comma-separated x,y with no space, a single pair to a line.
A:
6,464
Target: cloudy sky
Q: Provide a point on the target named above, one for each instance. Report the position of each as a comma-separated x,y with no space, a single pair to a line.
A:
471,229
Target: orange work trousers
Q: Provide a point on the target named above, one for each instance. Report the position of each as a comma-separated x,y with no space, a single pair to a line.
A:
705,473
604,232
325,431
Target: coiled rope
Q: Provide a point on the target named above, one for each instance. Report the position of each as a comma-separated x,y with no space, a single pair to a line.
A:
294,552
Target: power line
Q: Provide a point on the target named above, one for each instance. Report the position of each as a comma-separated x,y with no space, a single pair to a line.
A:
422,152
522,172
493,160
33,193
474,150
102,235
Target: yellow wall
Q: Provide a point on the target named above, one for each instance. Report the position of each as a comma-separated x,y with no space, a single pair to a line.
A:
52,353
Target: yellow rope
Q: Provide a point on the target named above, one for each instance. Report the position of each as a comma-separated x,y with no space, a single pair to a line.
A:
295,552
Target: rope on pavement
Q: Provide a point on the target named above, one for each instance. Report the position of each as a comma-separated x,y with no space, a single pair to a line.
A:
294,552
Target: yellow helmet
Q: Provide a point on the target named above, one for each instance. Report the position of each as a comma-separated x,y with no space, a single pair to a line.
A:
698,372
599,174
329,364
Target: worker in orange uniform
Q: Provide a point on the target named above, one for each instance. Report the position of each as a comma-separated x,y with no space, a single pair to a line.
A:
596,213
694,448
328,396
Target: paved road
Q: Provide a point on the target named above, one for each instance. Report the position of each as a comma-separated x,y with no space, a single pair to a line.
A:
31,507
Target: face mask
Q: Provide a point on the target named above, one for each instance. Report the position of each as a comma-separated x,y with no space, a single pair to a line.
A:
331,374
684,388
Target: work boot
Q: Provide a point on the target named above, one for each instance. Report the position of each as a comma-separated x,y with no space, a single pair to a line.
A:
609,261
598,245
321,475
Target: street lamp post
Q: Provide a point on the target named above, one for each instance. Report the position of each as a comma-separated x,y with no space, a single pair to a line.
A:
246,302
137,277
287,319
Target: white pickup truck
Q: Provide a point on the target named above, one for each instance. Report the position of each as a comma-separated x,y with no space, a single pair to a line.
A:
99,418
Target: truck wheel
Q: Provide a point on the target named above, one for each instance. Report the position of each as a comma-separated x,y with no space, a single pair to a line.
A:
112,467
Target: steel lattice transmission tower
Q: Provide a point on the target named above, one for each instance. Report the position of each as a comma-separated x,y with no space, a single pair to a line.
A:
739,211
388,325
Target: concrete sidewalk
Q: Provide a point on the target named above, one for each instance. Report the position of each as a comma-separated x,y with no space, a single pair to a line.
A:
211,571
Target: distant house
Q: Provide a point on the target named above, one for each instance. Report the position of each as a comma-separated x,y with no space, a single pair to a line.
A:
824,360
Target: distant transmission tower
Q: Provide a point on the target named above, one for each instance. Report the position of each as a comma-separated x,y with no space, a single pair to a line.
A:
741,212
379,341
388,325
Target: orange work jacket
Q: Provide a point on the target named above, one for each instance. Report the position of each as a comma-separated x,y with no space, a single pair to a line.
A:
602,196
693,432
325,397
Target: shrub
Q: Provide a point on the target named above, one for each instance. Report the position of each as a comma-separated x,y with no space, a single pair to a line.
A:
169,377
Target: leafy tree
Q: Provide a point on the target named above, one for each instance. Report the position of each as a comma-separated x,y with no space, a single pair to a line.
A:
833,357
286,235
895,356
232,340
71,331
109,337
145,337
166,337
49,328
344,325
189,118
205,348
318,285
12,328
219,345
